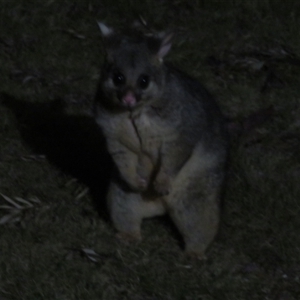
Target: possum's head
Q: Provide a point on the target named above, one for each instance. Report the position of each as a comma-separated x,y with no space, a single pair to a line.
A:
132,74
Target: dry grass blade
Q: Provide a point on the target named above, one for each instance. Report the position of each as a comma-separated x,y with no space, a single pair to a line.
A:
82,194
17,208
6,207
90,254
35,200
74,34
33,157
24,201
70,182
10,218
143,21
11,201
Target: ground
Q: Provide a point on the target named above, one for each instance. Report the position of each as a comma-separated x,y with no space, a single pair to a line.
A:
56,240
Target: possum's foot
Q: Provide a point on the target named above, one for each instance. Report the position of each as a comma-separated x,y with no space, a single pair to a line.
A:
196,255
129,238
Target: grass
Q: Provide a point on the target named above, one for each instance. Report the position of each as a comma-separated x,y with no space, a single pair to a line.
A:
56,242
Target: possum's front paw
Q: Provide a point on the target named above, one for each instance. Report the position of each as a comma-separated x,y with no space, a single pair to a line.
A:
142,183
162,184
137,184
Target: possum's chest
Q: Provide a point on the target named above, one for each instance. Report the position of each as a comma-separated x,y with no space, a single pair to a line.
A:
150,133
139,133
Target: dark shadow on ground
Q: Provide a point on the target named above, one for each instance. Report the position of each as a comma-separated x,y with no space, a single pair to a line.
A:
74,144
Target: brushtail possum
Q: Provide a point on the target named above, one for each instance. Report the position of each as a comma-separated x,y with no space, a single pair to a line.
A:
166,136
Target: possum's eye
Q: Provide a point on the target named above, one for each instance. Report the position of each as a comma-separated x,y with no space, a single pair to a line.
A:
118,78
143,81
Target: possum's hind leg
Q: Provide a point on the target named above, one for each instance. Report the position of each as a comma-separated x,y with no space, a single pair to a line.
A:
194,204
128,209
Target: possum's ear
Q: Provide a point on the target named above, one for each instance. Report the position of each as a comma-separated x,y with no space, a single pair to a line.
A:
160,44
165,44
109,39
105,30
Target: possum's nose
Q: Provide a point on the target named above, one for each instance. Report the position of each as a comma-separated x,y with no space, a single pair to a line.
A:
129,99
